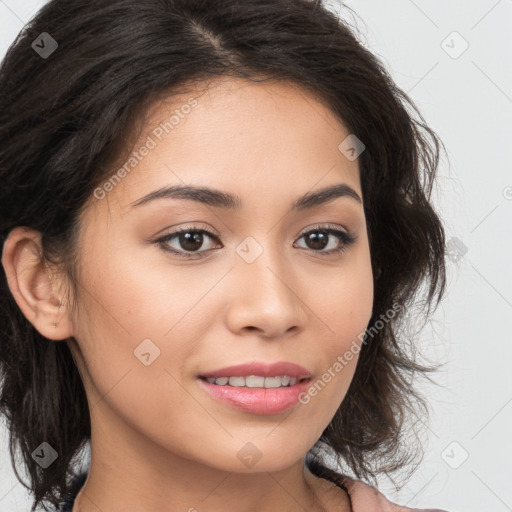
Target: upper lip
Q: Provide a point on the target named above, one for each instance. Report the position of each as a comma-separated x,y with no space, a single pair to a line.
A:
262,369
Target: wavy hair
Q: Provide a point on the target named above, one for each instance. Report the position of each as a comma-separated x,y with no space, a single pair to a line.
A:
65,119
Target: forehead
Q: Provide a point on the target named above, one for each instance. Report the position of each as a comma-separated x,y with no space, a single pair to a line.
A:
264,139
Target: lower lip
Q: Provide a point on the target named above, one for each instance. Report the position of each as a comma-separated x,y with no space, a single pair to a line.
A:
258,400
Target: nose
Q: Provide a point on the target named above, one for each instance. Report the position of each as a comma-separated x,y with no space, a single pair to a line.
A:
266,296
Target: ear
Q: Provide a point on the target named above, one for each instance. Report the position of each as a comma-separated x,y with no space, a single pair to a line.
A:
32,285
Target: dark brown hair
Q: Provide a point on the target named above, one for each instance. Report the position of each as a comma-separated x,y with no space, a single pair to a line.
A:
66,118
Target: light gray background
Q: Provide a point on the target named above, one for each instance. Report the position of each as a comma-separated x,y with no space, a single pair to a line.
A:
467,99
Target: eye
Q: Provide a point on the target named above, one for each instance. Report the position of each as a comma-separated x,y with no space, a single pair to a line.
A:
322,237
188,239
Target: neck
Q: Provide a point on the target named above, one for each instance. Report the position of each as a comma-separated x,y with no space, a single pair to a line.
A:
134,473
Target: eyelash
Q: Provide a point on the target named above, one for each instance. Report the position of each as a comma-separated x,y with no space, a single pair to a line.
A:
346,239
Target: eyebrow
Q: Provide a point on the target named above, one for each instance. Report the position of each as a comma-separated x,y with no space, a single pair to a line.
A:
219,199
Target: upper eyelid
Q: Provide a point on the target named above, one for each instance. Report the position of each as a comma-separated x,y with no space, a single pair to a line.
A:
315,227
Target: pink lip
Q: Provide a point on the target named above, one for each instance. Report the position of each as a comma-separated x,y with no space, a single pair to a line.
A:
262,369
257,400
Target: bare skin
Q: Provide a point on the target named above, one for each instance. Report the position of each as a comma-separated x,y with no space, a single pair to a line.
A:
159,441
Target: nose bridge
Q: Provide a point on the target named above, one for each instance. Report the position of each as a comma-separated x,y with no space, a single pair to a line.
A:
262,266
263,296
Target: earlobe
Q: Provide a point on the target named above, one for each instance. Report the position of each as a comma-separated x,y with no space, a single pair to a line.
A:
31,284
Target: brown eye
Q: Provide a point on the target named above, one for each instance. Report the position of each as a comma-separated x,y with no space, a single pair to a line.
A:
317,240
186,241
191,241
335,240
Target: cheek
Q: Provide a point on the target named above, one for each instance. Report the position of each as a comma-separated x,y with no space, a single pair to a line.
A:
345,308
351,312
344,300
132,372
136,327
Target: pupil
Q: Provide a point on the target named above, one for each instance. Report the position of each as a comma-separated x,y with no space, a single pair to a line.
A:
319,239
191,241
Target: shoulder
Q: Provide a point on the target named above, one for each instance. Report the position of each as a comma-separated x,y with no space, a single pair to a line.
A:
365,497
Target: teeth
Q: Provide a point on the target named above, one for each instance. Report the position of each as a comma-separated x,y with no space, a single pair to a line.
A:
251,381
237,381
254,381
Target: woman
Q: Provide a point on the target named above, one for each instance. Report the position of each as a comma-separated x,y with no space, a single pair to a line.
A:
215,216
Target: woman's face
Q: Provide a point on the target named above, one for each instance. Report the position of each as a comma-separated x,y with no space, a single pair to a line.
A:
152,321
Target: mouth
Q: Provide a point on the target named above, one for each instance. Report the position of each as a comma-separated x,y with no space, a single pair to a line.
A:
255,381
258,374
256,394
